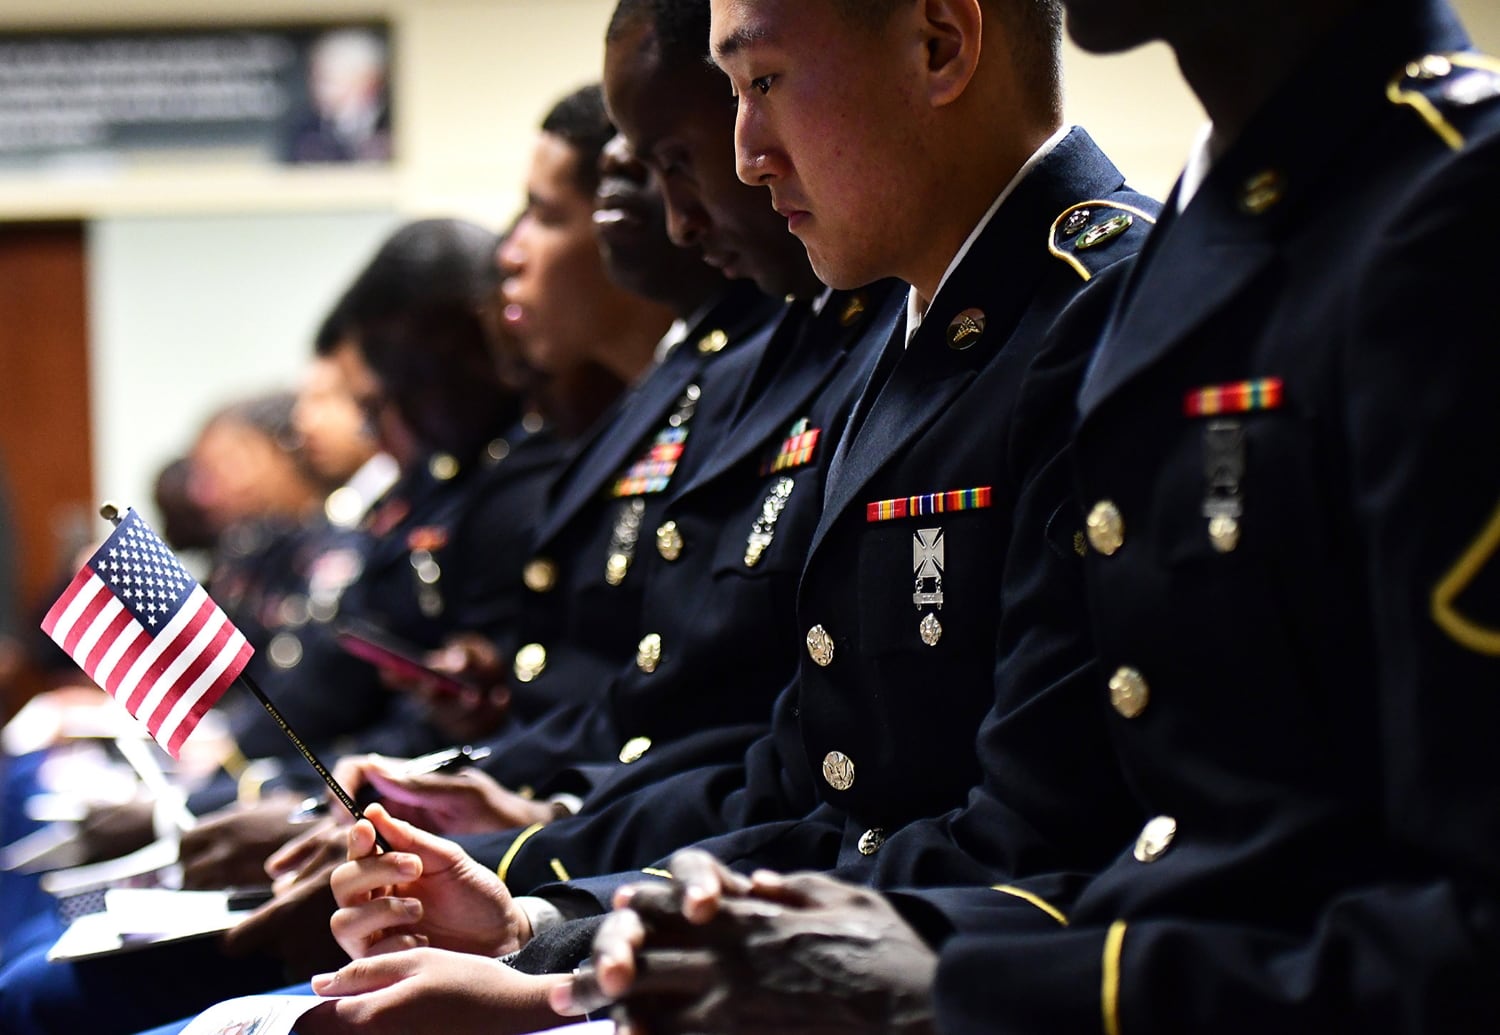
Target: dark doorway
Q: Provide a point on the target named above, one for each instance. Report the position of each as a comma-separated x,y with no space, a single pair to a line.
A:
45,439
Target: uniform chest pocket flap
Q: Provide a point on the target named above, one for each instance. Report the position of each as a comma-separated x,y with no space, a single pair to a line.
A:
1236,487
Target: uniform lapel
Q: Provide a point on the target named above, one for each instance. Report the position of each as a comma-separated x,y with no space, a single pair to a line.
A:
1198,261
999,277
642,413
820,345
1163,310
642,409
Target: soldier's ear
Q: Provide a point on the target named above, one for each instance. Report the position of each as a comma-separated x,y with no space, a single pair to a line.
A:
951,34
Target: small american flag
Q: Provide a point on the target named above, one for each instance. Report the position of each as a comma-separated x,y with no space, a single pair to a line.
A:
144,630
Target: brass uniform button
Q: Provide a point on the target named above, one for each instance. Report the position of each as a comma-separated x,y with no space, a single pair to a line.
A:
1156,837
820,646
1106,528
616,568
497,450
530,661
635,749
1129,692
295,611
1262,192
712,342
285,650
871,840
838,770
443,467
648,653
540,575
669,541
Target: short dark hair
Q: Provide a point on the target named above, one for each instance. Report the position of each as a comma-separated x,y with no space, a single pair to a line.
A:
681,27
1033,27
581,121
421,262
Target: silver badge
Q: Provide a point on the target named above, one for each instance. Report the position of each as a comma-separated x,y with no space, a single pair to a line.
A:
764,529
428,574
1223,470
927,561
623,539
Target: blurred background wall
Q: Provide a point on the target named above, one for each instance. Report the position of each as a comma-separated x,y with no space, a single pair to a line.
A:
135,301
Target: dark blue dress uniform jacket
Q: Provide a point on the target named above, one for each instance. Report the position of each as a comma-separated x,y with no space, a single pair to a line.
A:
719,589
1303,700
879,728
578,623
442,552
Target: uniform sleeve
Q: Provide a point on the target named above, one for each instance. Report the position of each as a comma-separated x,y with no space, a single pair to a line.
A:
1410,953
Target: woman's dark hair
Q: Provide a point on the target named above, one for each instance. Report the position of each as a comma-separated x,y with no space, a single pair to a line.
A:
415,313
581,120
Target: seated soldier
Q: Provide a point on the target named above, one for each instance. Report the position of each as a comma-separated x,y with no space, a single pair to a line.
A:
1285,451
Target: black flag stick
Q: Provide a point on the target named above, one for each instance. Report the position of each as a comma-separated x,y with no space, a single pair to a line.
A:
111,512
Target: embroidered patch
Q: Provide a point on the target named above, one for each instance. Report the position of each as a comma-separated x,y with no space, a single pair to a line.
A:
1239,397
934,503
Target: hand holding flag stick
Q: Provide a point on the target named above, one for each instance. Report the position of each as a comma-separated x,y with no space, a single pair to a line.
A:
142,628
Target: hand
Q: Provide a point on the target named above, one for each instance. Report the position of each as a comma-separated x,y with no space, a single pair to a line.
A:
468,801
230,847
320,848
110,831
425,891
430,990
712,951
293,927
477,711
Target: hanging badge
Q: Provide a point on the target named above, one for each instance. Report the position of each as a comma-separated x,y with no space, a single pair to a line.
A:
1223,469
927,559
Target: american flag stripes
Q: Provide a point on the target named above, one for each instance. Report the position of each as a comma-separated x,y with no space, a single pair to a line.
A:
145,631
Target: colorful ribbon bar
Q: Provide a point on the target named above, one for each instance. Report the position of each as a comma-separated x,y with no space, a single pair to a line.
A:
794,452
935,503
653,472
1239,397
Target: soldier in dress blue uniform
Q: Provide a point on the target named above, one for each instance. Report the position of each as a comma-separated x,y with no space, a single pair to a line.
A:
446,548
947,480
1284,458
735,532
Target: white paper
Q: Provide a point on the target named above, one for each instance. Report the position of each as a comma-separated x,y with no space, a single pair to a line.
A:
258,1014
135,918
156,856
277,1014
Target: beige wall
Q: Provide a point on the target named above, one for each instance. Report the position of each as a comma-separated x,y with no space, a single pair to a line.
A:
474,75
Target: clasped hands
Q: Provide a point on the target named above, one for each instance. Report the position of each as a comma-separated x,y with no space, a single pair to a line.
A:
714,951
